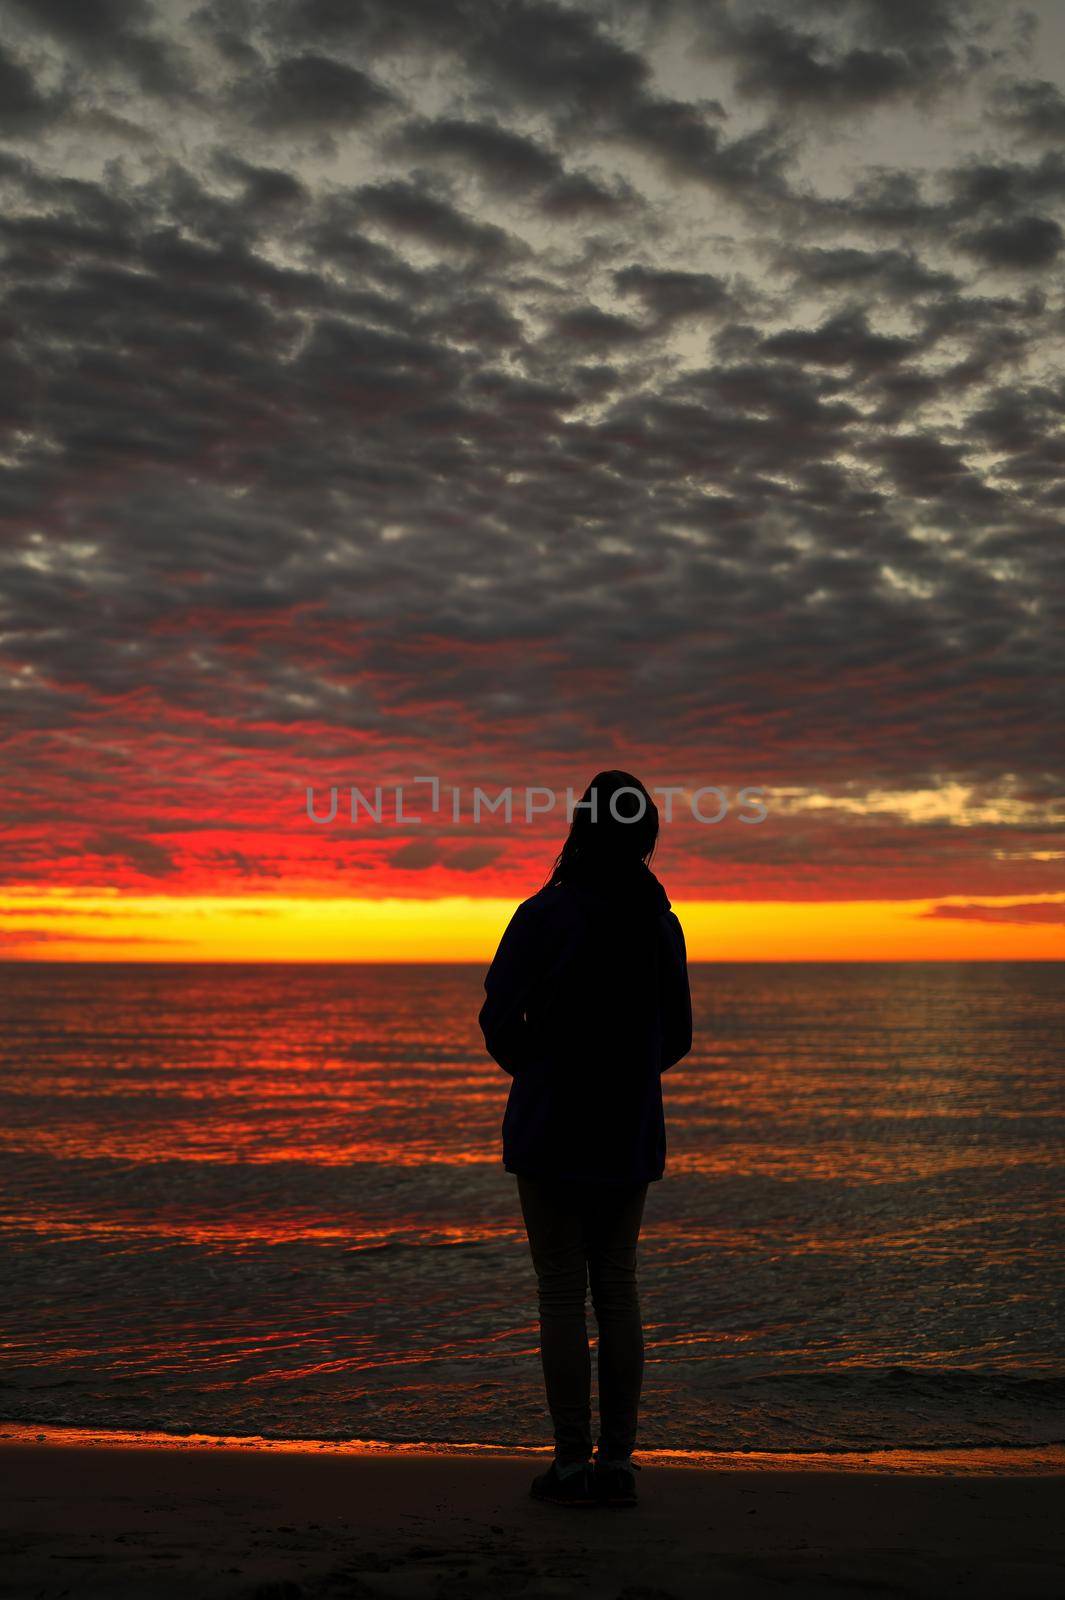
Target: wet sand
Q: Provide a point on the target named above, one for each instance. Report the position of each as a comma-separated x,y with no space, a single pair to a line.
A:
212,1519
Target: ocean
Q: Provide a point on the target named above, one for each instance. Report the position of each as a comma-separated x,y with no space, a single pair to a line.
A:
269,1200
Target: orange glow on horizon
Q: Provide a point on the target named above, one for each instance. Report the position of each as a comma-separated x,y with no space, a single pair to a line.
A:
109,925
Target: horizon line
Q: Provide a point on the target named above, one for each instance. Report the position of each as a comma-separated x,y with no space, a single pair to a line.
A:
312,961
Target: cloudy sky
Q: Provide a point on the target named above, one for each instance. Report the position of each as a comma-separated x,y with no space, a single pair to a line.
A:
498,391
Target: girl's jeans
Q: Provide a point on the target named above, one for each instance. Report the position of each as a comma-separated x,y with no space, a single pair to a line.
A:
580,1231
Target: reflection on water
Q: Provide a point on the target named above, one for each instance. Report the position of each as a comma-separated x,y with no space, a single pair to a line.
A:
269,1200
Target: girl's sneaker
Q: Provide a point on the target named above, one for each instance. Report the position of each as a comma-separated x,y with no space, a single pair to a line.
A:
568,1487
615,1482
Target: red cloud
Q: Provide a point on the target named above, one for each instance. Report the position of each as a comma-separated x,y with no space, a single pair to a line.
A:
1023,911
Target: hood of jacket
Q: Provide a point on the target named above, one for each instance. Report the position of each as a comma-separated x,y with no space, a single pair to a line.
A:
618,885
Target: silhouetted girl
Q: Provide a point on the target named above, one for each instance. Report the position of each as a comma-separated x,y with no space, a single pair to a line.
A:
587,1004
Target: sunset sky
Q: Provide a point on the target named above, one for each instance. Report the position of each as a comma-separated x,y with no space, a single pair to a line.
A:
496,392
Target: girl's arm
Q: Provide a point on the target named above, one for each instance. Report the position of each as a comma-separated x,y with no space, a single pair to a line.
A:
675,993
507,985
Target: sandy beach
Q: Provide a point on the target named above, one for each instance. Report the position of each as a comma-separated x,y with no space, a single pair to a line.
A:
223,1519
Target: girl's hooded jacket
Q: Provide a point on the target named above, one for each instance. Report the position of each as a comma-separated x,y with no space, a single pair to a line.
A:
587,1004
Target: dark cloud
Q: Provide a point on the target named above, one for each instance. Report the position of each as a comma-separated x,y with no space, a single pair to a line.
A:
416,855
228,25
894,274
576,196
502,159
145,856
1019,421
23,108
557,57
266,189
483,321
590,327
90,25
1033,108
117,34
1006,187
786,63
926,468
680,137
671,296
1031,911
311,93
508,164
843,340
1026,242
380,25
829,56
411,211
474,857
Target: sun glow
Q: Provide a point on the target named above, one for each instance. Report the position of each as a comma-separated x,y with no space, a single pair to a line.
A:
106,925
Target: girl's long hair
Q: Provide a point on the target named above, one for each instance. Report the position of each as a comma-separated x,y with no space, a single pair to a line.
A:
607,844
